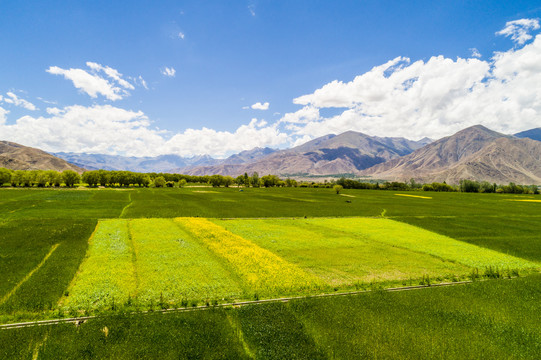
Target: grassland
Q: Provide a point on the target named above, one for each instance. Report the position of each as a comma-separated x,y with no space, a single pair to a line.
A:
140,254
473,321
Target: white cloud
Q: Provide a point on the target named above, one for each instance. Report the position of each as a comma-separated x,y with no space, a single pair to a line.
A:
519,30
260,106
251,9
475,53
110,72
181,35
3,116
111,130
434,98
11,98
143,82
168,71
94,84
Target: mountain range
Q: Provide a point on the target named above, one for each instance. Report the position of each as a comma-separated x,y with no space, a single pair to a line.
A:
348,152
475,153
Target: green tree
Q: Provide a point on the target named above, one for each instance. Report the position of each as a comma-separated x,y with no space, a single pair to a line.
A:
216,180
159,181
182,183
5,176
42,179
92,178
338,188
70,178
227,181
254,179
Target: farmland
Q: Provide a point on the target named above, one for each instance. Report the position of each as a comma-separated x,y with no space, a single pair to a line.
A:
69,252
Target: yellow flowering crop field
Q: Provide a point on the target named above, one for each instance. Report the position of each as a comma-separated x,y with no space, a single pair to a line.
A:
262,270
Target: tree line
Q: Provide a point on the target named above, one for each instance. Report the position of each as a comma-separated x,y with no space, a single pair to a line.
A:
114,178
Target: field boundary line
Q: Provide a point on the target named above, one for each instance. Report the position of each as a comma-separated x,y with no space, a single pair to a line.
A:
126,207
25,279
79,320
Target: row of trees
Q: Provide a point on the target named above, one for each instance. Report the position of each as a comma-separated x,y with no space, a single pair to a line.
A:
40,178
464,186
93,178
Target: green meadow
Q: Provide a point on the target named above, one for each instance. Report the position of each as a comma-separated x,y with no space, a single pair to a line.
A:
70,252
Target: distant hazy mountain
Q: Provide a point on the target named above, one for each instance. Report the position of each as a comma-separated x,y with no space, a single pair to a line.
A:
18,157
534,134
163,163
475,153
330,154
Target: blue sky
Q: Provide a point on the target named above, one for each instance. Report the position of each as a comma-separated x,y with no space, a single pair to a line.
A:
193,77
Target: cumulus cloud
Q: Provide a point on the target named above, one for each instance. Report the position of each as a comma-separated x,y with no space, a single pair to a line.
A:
106,129
260,106
519,30
3,115
181,35
93,84
13,99
168,71
434,98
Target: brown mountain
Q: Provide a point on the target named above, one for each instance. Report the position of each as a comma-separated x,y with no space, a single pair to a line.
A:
18,157
475,153
503,161
329,154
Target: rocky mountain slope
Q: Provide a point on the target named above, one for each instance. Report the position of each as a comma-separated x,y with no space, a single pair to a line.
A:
475,153
18,157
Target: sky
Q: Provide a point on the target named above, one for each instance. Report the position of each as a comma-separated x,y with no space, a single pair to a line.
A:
142,78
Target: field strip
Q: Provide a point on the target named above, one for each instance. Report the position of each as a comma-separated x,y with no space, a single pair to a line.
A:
339,257
347,195
524,200
9,294
421,240
172,265
415,196
106,274
82,319
261,269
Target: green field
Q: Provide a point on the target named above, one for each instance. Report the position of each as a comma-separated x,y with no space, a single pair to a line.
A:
468,321
66,252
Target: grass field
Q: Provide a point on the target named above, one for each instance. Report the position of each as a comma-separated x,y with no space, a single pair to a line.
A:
64,251
473,321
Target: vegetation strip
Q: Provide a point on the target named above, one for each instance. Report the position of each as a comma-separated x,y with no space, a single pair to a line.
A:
415,196
263,271
9,294
240,303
